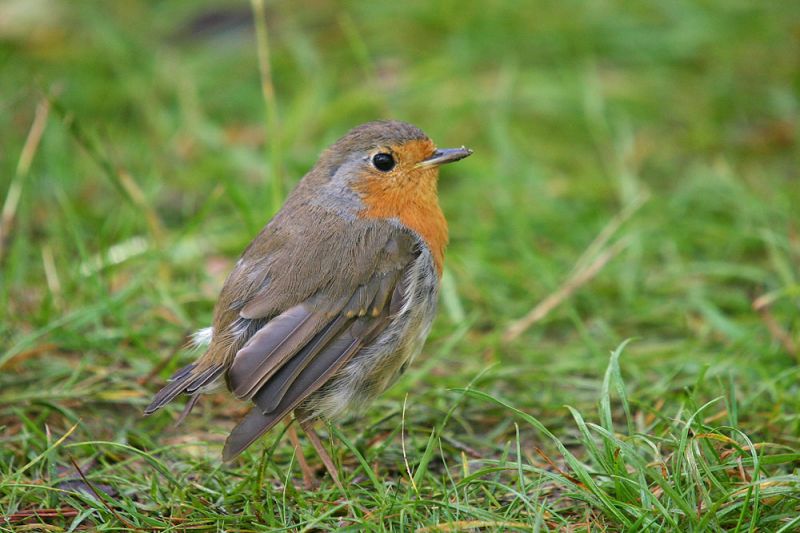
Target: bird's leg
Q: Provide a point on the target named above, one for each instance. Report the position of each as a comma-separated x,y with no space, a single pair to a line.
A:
309,481
308,427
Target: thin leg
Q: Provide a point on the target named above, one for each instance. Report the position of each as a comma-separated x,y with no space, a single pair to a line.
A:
308,427
309,480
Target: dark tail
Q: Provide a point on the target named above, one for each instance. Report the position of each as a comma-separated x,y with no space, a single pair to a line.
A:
184,381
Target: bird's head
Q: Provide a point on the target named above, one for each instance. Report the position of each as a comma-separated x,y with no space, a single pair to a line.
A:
387,170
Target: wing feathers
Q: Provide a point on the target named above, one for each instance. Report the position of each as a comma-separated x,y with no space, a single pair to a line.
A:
386,285
302,346
256,423
274,390
301,377
270,347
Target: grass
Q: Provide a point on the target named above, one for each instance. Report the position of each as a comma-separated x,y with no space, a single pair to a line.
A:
659,395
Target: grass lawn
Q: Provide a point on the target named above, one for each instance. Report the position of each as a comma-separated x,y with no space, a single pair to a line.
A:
619,330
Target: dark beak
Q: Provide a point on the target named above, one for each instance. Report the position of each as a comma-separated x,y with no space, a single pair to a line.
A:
445,155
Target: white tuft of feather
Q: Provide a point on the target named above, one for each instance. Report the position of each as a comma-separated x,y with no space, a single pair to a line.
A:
202,337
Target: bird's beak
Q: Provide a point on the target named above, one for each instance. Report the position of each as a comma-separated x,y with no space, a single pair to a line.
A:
445,155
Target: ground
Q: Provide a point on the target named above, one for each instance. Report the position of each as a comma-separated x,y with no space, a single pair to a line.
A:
618,338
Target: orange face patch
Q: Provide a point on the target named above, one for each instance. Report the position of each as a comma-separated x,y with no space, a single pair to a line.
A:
409,194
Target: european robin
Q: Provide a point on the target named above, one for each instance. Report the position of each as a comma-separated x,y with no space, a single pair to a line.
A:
334,298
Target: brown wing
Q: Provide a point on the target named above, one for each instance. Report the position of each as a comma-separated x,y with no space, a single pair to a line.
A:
295,353
303,298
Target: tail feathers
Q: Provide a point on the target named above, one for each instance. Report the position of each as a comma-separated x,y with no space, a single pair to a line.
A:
187,409
186,380
182,373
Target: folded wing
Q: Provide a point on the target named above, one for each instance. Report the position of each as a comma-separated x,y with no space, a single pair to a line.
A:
297,352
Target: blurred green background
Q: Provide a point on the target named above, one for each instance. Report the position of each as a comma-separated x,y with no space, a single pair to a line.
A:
139,155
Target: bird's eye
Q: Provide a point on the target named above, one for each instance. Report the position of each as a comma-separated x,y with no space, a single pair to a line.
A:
383,161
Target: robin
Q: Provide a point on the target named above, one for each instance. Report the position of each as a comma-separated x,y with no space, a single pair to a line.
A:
334,298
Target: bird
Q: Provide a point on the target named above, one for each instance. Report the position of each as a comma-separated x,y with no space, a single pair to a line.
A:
336,295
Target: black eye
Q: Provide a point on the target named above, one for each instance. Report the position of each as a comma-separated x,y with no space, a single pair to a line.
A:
383,162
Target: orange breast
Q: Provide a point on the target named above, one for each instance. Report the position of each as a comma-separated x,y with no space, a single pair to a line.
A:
409,195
